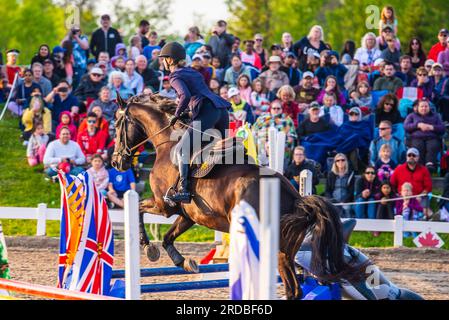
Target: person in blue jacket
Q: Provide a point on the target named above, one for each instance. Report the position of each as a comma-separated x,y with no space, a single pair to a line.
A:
332,67
207,108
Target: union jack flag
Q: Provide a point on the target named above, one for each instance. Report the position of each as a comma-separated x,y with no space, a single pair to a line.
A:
87,244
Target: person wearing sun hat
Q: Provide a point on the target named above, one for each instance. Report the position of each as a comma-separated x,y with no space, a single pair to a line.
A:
11,67
274,78
90,86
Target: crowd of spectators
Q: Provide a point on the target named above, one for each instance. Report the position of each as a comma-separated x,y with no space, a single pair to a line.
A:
372,119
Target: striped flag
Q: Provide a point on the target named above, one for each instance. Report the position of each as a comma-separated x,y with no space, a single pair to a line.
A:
244,253
87,251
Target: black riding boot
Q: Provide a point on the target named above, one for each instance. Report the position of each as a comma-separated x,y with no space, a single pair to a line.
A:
183,194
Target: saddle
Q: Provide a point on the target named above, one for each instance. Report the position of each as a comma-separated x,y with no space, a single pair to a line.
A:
225,151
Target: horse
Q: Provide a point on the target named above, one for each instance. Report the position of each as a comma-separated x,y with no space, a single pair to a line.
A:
145,118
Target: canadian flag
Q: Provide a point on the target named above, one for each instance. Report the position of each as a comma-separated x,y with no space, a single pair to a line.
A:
428,239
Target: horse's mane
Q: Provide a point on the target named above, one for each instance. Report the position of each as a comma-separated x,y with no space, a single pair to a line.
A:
155,101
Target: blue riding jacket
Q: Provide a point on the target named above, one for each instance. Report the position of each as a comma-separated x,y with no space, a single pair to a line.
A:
192,90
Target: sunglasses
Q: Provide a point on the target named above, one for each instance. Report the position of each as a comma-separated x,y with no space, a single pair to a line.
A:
411,155
443,35
91,121
370,172
96,75
340,160
259,39
382,129
353,114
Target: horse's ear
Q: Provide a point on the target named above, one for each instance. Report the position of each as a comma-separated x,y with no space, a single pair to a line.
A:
121,103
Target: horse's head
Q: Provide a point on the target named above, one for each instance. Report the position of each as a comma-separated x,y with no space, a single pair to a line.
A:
136,120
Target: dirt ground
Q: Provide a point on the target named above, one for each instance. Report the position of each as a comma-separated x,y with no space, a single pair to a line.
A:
425,271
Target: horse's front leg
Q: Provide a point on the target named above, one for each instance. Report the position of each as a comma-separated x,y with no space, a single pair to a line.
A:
181,225
151,250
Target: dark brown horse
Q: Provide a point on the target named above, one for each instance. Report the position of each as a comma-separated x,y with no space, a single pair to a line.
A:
146,117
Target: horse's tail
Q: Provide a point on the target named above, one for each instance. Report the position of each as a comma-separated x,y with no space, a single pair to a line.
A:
328,261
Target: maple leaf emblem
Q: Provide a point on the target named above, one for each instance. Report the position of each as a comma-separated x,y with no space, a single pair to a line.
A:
428,240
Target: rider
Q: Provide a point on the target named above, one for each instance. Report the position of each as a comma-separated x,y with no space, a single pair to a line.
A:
205,106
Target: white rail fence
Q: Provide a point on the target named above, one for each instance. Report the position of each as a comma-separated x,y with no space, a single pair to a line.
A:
398,226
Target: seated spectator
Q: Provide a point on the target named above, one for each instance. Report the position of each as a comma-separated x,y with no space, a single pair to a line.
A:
149,76
310,44
362,97
277,119
135,47
423,82
300,163
91,140
260,99
385,33
63,154
443,214
119,64
117,83
332,67
101,124
108,106
385,137
385,165
274,78
49,73
62,99
314,123
42,55
38,77
443,59
214,86
368,53
148,50
193,41
90,86
366,187
37,145
413,172
331,87
385,209
387,109
120,52
197,64
11,69
224,92
36,113
219,71
425,130
235,70
340,184
440,46
391,53
290,67
133,80
439,81
65,120
21,98
409,208
405,72
241,110
306,93
429,64
416,53
289,106
244,86
167,91
99,174
119,183
250,56
329,107
388,81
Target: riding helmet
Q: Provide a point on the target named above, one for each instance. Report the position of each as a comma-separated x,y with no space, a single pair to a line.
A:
173,50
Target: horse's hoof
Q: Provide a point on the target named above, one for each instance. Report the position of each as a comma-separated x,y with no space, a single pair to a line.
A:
191,266
152,252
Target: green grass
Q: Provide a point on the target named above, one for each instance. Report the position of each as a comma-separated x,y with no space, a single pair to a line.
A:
23,186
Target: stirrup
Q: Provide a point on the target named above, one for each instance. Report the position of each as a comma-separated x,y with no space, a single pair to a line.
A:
182,197
167,198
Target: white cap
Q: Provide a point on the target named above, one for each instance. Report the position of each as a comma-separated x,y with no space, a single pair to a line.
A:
233,92
274,59
308,74
96,70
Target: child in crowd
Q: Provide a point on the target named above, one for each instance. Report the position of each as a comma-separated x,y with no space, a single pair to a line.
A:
259,98
167,91
135,47
37,145
409,208
385,165
65,120
219,71
362,97
244,86
99,174
385,210
224,92
119,183
214,86
329,107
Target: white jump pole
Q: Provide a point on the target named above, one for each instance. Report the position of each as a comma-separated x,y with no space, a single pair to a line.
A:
132,248
269,237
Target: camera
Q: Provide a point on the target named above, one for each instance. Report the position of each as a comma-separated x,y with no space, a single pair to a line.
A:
75,31
63,89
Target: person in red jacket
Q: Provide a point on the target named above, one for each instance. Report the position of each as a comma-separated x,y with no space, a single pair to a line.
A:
416,174
92,140
440,46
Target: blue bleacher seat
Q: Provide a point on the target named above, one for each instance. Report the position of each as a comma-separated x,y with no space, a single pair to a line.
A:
377,95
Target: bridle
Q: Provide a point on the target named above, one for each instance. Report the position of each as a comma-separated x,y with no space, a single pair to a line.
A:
122,123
